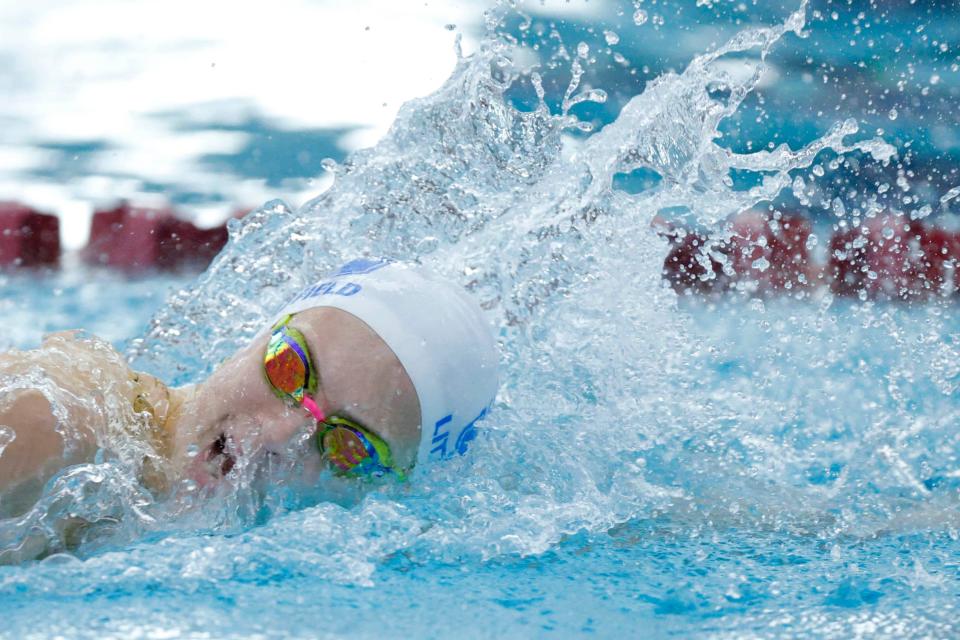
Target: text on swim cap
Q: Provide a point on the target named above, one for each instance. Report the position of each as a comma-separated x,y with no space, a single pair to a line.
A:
328,288
441,436
361,266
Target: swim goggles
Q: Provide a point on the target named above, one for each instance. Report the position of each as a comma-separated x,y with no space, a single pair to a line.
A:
351,448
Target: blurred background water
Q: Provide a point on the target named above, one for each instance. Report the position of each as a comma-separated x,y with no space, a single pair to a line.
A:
759,468
213,107
219,107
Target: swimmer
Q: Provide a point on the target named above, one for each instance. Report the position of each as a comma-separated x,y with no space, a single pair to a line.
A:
383,364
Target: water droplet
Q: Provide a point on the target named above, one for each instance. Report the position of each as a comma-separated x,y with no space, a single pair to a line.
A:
7,436
839,209
761,264
586,127
639,17
428,244
798,188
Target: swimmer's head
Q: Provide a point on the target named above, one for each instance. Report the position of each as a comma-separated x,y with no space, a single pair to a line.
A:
404,356
433,348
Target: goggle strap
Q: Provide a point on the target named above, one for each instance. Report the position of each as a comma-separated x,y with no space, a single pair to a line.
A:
310,405
282,322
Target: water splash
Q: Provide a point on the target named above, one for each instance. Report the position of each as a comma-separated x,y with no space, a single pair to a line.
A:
87,503
610,408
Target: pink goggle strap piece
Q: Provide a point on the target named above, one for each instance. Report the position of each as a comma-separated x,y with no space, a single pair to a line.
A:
312,407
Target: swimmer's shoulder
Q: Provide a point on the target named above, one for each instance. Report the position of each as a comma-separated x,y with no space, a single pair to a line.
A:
84,365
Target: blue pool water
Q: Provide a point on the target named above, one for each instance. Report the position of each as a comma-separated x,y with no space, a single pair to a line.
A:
763,539
654,466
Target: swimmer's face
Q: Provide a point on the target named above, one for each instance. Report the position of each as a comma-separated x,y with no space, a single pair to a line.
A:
359,379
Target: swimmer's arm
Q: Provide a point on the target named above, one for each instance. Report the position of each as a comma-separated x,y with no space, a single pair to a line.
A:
29,440
31,448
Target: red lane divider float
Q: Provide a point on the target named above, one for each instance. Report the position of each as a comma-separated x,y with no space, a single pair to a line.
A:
893,258
886,258
28,238
132,238
760,254
772,253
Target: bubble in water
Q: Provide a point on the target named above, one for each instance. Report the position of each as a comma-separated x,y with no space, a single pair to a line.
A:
893,114
611,37
640,17
583,49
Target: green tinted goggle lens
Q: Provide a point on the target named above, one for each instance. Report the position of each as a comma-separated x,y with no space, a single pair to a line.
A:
354,450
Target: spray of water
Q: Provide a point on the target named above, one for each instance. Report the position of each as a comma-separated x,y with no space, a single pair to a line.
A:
609,411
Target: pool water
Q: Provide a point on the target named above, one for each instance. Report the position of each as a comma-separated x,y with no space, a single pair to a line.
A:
876,558
654,465
105,303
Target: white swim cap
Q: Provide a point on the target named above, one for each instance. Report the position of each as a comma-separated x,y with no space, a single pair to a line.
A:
437,332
